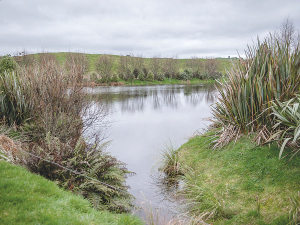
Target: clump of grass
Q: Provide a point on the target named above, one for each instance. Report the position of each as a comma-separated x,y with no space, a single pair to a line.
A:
169,162
294,214
15,107
150,214
200,200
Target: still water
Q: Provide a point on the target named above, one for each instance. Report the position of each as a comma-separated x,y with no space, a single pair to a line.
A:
146,118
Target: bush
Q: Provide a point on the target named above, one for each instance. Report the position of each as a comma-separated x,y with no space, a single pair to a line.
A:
104,67
168,75
216,75
187,74
145,71
105,78
129,75
287,125
141,76
159,77
114,78
90,160
136,73
8,64
55,102
270,72
94,76
76,65
150,76
50,97
211,67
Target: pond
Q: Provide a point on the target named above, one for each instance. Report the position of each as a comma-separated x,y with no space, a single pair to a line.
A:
146,118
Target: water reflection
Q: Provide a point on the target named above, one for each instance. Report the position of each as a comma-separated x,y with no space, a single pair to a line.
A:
133,99
146,118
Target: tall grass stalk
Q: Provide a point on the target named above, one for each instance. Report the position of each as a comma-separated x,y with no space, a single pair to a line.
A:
15,107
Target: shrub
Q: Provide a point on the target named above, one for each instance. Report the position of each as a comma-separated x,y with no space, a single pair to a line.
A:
150,76
129,75
215,75
59,112
8,64
145,71
159,77
76,65
94,76
211,67
136,73
141,76
105,78
90,160
122,76
114,78
270,72
104,67
168,75
287,125
187,74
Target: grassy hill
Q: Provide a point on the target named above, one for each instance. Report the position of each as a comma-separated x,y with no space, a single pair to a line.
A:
92,58
27,198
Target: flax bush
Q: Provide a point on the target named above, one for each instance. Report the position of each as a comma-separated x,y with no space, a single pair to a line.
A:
287,127
270,71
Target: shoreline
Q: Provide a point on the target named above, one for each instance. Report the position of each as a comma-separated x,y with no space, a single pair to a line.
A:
148,83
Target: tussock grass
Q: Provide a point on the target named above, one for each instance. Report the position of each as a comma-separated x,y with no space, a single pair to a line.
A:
27,198
168,162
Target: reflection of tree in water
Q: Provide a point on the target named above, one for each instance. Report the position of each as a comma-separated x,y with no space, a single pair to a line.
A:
134,99
197,94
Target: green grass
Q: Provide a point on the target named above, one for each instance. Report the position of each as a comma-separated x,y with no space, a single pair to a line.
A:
251,184
166,81
27,198
61,56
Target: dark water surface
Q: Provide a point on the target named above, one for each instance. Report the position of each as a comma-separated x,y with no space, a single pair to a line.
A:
146,118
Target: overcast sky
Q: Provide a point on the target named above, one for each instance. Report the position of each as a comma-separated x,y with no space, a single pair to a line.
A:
150,27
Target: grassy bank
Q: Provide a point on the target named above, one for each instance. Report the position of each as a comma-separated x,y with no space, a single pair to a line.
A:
27,198
225,63
145,83
240,184
169,81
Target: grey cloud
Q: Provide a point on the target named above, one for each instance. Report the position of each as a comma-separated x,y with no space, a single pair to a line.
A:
175,27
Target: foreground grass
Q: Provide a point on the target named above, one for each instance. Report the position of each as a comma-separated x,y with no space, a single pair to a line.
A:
250,185
26,198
